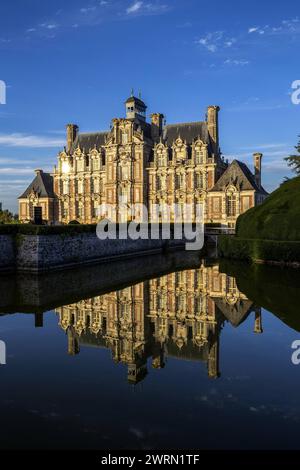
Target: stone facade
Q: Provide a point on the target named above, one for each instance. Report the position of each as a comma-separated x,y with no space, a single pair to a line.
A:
141,163
39,253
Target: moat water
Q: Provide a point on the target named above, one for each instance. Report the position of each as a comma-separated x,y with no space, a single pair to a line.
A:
169,352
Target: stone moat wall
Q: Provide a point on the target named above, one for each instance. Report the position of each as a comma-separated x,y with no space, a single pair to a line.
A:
39,253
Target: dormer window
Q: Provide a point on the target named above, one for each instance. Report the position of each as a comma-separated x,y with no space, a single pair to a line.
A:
124,138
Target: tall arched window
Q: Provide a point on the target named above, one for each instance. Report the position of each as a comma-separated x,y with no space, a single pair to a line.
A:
80,186
180,181
231,205
199,181
124,172
66,187
199,157
161,160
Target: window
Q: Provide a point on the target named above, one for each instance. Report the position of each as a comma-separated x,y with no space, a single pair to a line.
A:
96,164
161,159
198,304
231,205
66,187
80,186
96,186
80,165
199,157
124,138
65,211
124,172
180,180
199,181
80,211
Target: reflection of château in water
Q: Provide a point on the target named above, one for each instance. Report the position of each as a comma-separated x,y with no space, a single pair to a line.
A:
179,315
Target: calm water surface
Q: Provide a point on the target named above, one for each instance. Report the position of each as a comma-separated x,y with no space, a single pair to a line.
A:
173,352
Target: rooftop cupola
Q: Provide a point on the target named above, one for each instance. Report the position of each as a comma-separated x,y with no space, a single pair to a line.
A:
135,108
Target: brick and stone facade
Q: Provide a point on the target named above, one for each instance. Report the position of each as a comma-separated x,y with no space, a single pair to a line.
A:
144,163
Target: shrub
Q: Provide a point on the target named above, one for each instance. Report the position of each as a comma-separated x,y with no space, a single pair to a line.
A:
254,249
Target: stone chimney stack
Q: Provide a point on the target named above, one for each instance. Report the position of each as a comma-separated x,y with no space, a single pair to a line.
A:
72,131
258,322
156,126
213,126
257,157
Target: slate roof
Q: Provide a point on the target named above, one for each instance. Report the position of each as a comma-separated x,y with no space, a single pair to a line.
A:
188,131
238,174
42,185
136,100
88,141
237,313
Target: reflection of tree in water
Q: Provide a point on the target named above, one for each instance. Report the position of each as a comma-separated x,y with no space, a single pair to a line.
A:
177,315
271,287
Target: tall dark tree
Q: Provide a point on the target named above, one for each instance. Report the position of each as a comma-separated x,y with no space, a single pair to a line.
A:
293,161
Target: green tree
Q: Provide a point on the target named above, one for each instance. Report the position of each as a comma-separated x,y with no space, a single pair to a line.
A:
7,217
293,161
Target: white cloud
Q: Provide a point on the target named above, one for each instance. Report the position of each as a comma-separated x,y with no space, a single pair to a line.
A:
49,25
285,27
87,9
216,40
134,7
236,62
143,8
266,146
16,171
33,141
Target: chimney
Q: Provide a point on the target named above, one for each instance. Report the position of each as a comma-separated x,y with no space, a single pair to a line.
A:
257,157
213,126
258,322
38,172
156,126
72,131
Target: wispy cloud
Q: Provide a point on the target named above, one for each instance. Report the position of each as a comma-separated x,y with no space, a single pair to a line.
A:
32,141
215,41
290,26
87,9
236,62
93,14
16,171
143,8
135,7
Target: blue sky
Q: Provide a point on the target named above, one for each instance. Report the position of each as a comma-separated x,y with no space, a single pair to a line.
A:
76,61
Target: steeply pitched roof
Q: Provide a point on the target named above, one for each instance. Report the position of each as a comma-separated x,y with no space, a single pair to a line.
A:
136,100
42,185
188,131
237,174
236,313
89,141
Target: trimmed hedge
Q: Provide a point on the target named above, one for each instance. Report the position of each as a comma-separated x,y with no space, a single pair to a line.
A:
278,218
27,229
254,249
